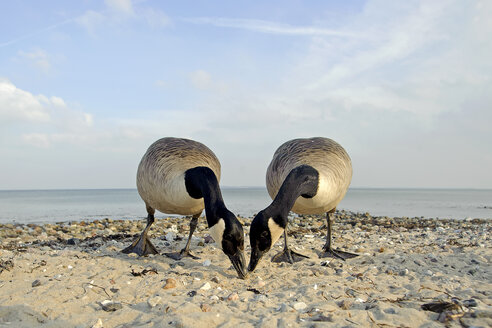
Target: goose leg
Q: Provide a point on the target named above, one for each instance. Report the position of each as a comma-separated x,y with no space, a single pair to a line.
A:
328,250
142,245
186,250
288,255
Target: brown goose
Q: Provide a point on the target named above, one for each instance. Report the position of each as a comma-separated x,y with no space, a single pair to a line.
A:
307,176
181,176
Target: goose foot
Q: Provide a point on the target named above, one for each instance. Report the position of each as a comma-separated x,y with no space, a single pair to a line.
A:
141,246
288,255
179,255
330,252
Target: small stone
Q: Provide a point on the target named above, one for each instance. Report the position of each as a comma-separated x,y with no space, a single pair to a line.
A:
345,304
261,283
73,241
299,306
208,239
214,298
206,286
110,306
233,297
170,283
170,236
36,283
98,324
207,263
215,279
205,307
470,303
154,301
192,293
428,273
403,272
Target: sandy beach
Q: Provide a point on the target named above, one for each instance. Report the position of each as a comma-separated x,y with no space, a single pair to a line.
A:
74,275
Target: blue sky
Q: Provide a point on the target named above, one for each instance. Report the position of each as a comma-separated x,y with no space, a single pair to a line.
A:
86,86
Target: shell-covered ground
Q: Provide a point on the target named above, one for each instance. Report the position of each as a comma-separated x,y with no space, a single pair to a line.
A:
410,272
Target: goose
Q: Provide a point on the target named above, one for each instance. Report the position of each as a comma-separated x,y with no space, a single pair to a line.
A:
307,176
181,176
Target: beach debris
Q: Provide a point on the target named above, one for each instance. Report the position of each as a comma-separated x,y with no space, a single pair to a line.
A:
345,304
323,318
205,307
192,293
207,263
110,306
98,324
143,272
206,286
470,303
208,239
170,283
36,283
154,301
114,290
6,265
73,241
299,306
170,236
233,297
254,290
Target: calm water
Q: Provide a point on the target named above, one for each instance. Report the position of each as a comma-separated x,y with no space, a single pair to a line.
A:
37,206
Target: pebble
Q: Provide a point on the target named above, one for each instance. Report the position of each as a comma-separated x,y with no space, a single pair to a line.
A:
170,236
207,263
214,298
345,304
403,272
206,286
428,273
470,303
205,307
110,306
98,324
170,283
215,279
154,301
299,306
36,283
233,297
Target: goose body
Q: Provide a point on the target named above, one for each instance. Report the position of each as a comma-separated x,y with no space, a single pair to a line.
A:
323,154
181,176
161,174
307,176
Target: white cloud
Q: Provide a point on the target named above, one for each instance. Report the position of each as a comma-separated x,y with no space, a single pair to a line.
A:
91,20
262,26
124,7
201,79
154,17
20,105
38,140
39,58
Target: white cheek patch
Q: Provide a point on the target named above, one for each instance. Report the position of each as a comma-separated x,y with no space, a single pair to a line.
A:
217,232
275,230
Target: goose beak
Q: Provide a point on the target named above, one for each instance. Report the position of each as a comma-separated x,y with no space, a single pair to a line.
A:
239,262
255,258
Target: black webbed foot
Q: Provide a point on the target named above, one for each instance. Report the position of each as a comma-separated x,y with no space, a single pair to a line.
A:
329,252
289,256
179,255
141,246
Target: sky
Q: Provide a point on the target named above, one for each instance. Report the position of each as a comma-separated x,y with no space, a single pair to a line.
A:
404,86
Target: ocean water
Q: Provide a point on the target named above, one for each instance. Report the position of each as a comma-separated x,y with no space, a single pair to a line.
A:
42,206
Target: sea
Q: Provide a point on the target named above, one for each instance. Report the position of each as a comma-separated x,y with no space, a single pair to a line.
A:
48,206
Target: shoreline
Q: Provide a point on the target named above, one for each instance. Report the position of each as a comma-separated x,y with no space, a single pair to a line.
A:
54,275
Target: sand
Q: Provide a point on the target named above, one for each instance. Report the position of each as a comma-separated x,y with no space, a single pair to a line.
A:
74,275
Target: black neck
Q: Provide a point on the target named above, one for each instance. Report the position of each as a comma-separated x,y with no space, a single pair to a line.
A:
202,182
301,181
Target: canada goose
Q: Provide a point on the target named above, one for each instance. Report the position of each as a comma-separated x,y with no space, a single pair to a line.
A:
181,176
307,176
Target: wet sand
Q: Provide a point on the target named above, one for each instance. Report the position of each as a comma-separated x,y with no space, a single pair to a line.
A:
74,275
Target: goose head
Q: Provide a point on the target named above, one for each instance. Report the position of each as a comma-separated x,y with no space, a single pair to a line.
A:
264,233
229,236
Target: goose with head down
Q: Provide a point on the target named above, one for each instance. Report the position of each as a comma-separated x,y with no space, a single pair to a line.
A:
181,176
307,176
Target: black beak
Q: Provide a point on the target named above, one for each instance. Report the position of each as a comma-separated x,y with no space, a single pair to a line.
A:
239,263
255,258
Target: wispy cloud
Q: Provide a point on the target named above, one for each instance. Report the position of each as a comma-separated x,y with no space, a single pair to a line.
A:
262,26
35,33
